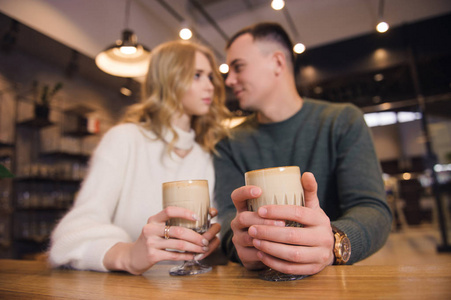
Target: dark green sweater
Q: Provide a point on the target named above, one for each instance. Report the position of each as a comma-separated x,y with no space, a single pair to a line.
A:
330,140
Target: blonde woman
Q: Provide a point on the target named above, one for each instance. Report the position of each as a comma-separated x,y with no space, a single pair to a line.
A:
117,221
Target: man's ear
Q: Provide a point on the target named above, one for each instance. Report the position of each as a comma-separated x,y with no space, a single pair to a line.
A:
279,61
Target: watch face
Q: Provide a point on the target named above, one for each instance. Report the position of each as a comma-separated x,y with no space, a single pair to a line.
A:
345,249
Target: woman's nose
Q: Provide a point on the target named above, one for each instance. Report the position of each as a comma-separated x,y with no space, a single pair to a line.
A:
209,85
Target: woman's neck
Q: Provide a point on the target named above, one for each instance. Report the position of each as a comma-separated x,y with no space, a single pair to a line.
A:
182,121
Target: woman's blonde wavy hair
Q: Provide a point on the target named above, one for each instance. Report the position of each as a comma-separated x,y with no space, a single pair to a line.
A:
170,75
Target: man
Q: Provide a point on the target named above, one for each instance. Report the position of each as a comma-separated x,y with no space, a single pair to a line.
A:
329,142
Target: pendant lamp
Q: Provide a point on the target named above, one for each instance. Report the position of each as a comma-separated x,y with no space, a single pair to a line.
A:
382,26
126,58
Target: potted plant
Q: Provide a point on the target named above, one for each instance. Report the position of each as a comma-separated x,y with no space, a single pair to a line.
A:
4,172
43,97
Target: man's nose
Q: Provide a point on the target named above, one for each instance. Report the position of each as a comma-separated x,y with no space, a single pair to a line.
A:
230,79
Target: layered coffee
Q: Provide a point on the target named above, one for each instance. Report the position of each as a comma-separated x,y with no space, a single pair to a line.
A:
280,186
192,195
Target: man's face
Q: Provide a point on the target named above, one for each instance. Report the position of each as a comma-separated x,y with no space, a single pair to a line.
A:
250,72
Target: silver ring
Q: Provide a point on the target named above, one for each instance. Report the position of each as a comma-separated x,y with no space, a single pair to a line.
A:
166,232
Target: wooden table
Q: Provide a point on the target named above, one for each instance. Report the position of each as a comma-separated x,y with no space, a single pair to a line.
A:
34,280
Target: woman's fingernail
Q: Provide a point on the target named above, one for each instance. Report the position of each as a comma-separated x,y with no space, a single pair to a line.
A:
252,231
259,255
198,256
262,211
205,249
205,242
255,192
279,223
195,217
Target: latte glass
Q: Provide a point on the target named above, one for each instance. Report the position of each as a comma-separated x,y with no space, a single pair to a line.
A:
192,195
280,186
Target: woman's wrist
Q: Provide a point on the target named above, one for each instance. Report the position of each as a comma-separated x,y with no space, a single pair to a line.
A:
117,257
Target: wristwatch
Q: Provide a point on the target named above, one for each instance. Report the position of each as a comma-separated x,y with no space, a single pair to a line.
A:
342,247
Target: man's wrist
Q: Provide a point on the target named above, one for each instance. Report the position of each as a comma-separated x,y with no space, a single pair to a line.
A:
342,247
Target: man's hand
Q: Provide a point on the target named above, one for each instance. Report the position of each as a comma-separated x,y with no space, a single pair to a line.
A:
291,250
241,223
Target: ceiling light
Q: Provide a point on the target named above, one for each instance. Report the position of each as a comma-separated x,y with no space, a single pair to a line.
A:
299,48
224,68
126,58
378,77
185,33
381,26
277,4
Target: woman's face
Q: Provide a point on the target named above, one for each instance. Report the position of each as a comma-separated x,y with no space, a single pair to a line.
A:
198,98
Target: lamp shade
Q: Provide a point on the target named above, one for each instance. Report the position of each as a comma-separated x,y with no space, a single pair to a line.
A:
126,58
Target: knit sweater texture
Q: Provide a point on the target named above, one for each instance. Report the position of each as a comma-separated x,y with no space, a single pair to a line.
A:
122,190
330,140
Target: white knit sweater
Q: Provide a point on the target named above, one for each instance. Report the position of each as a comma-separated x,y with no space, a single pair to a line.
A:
121,191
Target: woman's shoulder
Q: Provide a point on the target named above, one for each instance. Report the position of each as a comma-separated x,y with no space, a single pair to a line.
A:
122,137
128,130
123,128
124,133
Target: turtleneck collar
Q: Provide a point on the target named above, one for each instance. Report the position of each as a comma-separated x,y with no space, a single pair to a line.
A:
185,141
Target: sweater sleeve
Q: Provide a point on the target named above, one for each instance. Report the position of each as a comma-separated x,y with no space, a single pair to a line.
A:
86,232
365,217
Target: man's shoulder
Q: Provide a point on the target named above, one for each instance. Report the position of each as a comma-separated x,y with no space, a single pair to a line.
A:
330,109
327,105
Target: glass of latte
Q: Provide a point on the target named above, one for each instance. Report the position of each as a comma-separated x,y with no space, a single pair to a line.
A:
280,186
192,195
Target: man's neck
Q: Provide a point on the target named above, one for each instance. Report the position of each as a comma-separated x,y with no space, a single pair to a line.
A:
279,111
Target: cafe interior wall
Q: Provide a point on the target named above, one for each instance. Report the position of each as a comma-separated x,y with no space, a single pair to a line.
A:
33,57
17,73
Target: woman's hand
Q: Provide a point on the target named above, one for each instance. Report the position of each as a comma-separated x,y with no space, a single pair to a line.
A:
210,235
151,245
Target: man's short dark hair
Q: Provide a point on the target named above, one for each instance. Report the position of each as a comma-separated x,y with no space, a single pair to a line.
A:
267,31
